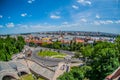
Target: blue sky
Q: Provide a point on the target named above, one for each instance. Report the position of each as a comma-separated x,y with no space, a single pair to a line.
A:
19,16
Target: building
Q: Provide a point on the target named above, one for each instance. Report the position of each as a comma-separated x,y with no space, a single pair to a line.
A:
78,40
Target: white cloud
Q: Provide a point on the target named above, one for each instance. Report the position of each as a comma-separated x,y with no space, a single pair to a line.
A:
63,26
38,26
118,21
1,26
75,7
97,16
64,23
45,23
103,22
24,14
80,1
10,25
83,20
84,2
22,26
55,16
1,16
88,2
109,22
30,1
96,23
48,27
106,22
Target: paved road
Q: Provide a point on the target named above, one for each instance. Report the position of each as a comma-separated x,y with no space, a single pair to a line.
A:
50,61
45,61
59,70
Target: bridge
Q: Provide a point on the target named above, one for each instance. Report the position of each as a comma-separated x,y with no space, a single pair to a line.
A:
12,69
15,69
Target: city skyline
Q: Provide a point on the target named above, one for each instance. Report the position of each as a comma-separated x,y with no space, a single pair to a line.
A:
21,16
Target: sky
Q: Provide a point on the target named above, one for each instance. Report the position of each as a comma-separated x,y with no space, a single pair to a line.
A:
22,16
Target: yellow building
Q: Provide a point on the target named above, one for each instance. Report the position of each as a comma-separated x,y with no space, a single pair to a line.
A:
46,39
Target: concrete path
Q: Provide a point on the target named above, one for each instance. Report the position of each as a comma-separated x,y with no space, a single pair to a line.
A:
60,70
41,70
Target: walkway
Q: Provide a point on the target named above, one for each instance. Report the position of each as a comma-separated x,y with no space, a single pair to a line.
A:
41,70
60,70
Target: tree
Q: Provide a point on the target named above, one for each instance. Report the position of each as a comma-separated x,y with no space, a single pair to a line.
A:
44,44
77,55
87,52
117,43
103,59
56,45
77,73
2,55
10,46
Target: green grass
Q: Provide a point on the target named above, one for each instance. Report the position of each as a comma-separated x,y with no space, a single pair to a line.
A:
27,77
58,56
41,79
51,54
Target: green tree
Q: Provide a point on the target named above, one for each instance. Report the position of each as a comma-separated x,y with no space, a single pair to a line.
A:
77,55
76,73
44,44
117,43
103,59
2,55
56,45
10,46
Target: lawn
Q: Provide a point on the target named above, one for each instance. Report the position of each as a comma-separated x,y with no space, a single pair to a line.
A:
47,53
41,79
58,56
27,77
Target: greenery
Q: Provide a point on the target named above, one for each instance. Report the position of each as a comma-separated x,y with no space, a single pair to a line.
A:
41,79
32,44
59,56
49,53
76,73
117,43
73,46
10,46
27,77
101,59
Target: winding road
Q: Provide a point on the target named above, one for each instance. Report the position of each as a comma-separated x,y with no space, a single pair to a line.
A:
50,61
